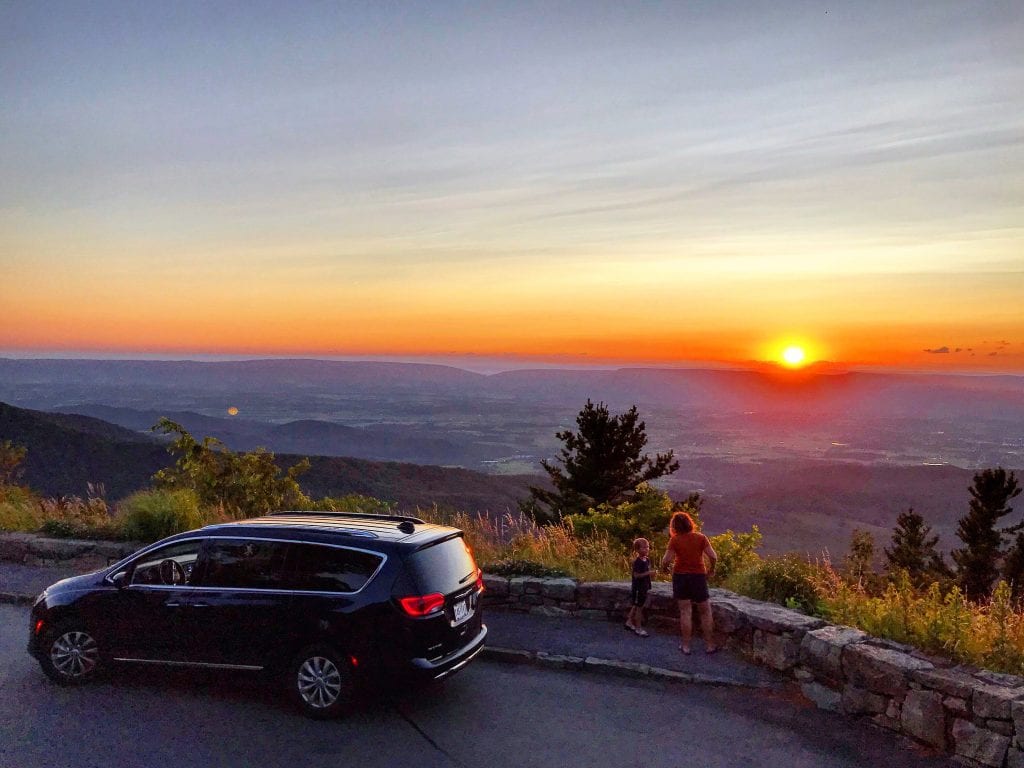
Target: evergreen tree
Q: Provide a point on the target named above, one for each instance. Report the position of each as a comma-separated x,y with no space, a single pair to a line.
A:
978,563
913,550
601,464
858,563
1013,568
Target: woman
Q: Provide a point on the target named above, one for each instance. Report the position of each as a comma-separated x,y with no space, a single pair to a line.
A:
687,549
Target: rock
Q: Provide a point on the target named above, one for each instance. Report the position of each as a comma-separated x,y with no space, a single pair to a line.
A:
822,649
956,707
823,698
924,718
879,669
776,651
603,595
994,701
1014,759
1017,715
516,585
979,744
14,546
778,620
559,589
61,549
496,586
951,682
858,701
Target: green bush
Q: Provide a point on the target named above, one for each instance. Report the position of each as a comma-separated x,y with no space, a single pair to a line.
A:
787,580
152,515
19,509
737,554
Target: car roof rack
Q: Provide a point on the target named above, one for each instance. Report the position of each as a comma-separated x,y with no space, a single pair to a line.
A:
353,515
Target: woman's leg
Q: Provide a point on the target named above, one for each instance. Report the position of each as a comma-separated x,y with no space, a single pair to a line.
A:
685,624
707,625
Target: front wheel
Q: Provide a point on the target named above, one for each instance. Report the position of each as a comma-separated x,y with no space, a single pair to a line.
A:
72,656
321,682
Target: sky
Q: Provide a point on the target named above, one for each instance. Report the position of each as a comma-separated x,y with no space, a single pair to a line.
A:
559,183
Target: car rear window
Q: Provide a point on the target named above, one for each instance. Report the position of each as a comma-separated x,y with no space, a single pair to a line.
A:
443,567
321,568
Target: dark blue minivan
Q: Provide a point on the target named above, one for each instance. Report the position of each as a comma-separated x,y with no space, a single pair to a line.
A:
322,600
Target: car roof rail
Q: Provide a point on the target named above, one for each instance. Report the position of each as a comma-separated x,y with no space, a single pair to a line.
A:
353,515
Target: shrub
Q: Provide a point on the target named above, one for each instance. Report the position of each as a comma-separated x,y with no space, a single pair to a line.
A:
19,509
152,515
522,568
787,580
75,517
737,553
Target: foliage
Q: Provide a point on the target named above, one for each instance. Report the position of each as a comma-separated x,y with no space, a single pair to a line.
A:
737,553
601,465
787,580
858,563
73,517
645,516
913,550
522,568
19,509
518,538
352,502
152,515
11,456
238,484
979,560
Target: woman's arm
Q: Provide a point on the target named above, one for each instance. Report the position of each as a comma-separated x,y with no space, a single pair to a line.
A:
668,559
709,553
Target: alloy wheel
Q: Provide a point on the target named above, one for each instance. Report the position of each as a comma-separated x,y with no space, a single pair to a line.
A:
319,682
74,654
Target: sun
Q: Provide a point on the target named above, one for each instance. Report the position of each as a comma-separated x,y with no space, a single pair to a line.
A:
793,357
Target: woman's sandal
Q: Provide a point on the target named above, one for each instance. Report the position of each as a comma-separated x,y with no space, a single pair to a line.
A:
711,649
686,651
641,632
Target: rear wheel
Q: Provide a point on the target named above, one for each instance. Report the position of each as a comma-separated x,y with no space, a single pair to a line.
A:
321,683
72,655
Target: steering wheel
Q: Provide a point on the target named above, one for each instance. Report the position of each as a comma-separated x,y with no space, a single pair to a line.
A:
171,572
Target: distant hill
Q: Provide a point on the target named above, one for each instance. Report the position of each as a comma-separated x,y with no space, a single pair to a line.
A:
65,452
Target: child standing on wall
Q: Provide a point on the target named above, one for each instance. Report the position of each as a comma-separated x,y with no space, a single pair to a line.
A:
641,585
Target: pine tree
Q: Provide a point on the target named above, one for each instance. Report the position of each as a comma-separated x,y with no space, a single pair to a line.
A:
978,563
602,463
913,550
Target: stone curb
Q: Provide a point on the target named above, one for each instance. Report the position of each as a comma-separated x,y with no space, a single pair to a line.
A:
607,667
16,599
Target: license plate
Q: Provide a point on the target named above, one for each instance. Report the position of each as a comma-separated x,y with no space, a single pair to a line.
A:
462,611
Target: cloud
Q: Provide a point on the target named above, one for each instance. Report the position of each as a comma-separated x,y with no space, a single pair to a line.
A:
939,351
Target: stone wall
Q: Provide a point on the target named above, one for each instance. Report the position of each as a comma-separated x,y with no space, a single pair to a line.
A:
973,715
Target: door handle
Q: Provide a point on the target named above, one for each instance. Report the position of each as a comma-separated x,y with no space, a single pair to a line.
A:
172,604
200,605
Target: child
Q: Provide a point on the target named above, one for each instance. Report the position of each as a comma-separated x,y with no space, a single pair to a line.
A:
641,585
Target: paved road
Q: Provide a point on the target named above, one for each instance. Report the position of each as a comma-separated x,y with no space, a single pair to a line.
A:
490,714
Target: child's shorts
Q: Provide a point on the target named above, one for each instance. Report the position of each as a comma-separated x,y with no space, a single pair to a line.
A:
638,596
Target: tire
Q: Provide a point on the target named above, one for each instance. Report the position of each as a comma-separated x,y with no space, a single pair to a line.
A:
72,655
320,682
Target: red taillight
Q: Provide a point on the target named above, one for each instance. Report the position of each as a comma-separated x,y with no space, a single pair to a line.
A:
424,605
39,626
480,581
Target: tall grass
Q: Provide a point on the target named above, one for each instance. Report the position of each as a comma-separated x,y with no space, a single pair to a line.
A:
516,538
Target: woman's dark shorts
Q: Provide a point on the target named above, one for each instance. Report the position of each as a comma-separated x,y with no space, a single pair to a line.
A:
690,586
638,595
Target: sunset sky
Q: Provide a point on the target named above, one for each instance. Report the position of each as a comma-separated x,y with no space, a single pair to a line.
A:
649,183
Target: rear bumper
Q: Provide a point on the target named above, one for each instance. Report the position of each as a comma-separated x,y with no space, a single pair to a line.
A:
437,669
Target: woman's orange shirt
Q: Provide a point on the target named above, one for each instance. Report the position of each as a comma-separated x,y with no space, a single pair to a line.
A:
689,551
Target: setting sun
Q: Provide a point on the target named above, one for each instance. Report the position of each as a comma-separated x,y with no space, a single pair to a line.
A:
793,356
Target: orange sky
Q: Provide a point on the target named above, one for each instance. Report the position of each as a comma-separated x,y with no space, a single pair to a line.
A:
669,187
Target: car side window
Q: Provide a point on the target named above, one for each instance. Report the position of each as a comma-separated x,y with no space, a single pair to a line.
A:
172,565
242,563
330,569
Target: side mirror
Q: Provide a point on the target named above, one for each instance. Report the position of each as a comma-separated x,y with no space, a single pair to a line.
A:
119,580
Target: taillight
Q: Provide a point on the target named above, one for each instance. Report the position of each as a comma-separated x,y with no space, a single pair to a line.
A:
424,605
480,581
39,626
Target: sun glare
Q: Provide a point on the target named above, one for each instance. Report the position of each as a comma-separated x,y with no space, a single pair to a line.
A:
794,357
